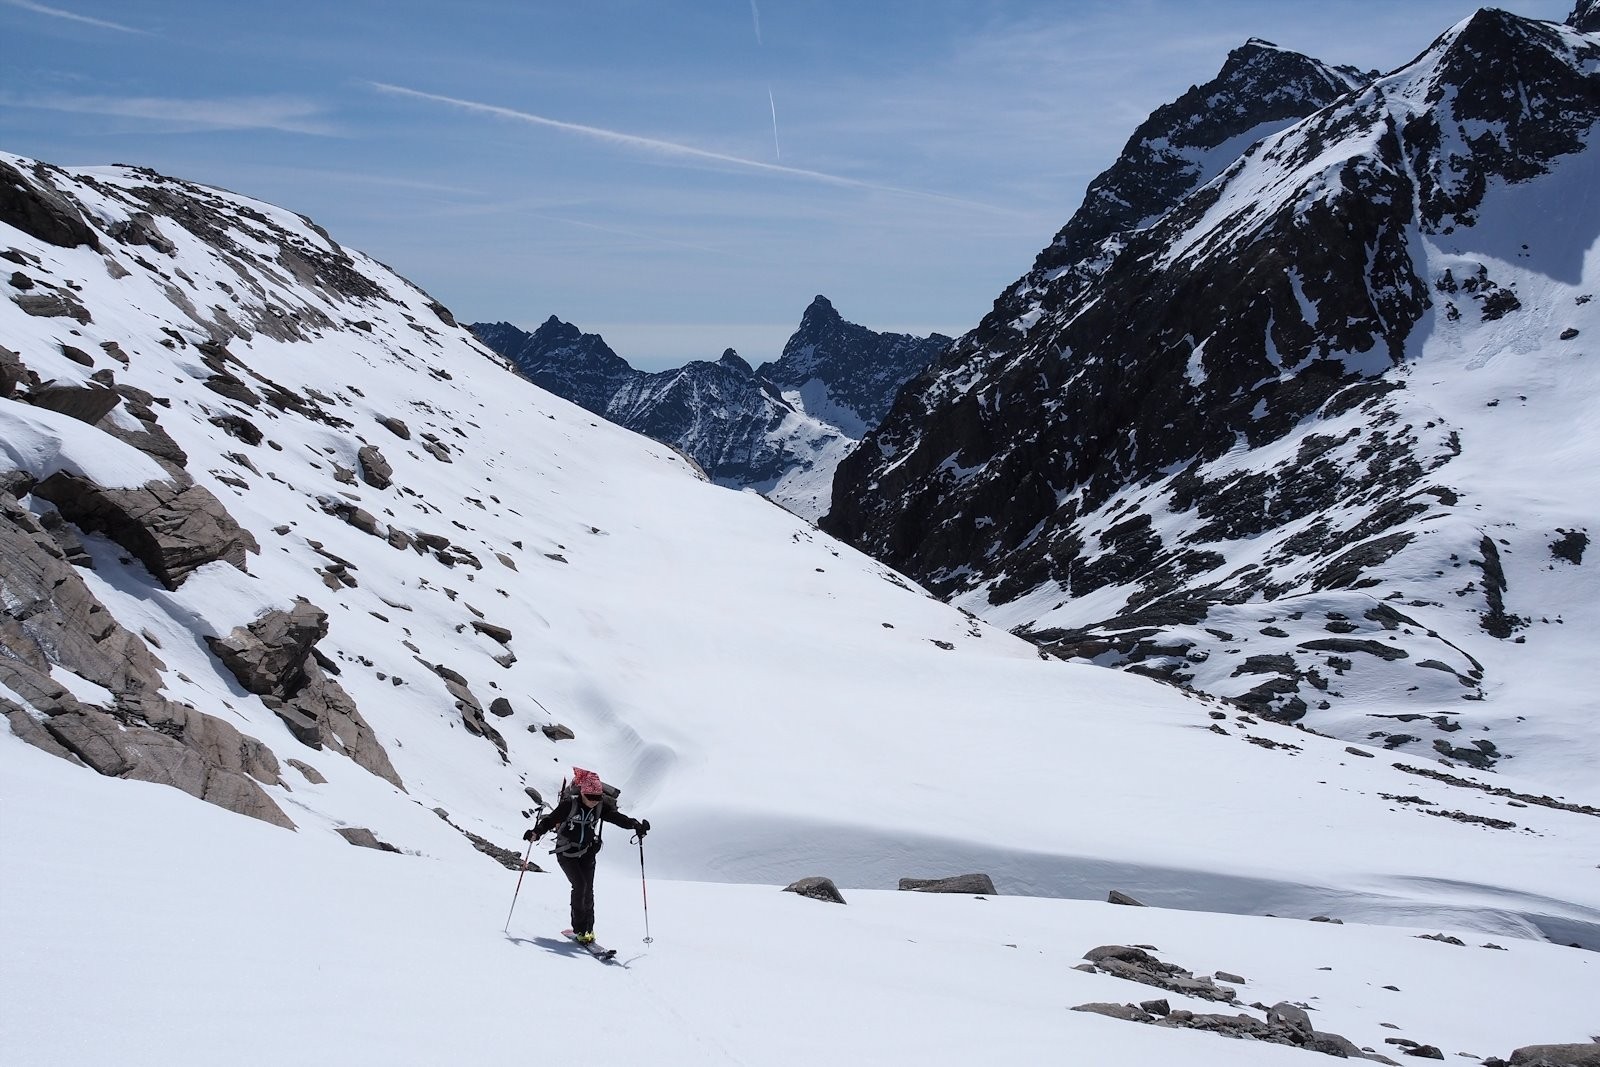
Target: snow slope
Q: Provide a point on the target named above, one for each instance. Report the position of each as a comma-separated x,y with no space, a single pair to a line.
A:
188,935
776,703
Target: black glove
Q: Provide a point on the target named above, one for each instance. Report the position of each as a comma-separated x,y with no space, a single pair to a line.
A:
530,836
642,829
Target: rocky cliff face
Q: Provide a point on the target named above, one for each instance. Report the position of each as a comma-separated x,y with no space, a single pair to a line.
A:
780,429
1229,433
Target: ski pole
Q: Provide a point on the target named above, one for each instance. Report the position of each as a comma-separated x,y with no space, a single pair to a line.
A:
644,893
514,895
529,855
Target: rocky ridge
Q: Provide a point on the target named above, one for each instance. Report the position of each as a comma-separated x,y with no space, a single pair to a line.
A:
1228,443
780,429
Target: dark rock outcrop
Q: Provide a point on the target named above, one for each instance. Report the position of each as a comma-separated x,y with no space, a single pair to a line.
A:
1285,1023
36,209
977,884
1205,362
1568,1055
274,657
86,403
375,470
172,529
472,716
817,888
52,621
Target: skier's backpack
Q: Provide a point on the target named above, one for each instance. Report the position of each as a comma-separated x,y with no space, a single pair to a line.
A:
580,832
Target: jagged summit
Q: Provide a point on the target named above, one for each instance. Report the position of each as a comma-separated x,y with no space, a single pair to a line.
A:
1261,88
1585,16
848,373
734,360
780,428
820,309
562,358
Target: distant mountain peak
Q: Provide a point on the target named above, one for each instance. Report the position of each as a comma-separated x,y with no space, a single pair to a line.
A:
820,309
1585,16
553,329
780,428
735,361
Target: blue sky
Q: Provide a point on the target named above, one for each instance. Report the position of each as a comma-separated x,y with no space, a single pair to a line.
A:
679,176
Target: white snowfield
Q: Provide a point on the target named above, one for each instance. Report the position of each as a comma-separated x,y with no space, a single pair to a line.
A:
775,703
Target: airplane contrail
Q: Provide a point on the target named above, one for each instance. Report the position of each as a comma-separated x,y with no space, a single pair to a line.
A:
755,16
671,148
774,104
56,12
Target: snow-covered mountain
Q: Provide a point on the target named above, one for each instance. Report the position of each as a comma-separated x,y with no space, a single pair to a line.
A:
290,563
1312,429
780,429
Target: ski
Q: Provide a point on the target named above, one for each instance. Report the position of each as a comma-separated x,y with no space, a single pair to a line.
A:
593,948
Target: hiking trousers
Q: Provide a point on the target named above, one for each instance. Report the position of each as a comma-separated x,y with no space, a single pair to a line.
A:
580,872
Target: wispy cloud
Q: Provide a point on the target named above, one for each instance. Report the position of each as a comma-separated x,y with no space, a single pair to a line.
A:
56,12
674,149
636,235
369,178
288,114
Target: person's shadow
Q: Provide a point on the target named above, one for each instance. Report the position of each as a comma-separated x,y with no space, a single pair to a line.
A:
560,946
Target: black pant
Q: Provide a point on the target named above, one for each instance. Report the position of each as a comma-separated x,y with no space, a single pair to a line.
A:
580,872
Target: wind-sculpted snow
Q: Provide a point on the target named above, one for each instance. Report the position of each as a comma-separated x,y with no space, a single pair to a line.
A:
735,849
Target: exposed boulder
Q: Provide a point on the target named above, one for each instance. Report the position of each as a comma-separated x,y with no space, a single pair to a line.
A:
86,403
1240,1026
360,518
471,709
817,888
269,655
361,837
490,630
979,884
50,615
1126,1012
1117,896
1137,965
1286,1014
500,706
140,228
275,658
375,470
54,306
1570,1055
172,529
396,427
310,773
31,730
12,371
